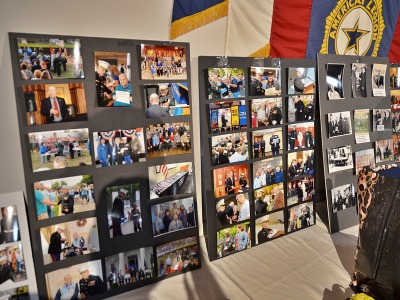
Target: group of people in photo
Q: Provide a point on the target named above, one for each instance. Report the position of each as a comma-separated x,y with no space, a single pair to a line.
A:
299,217
343,197
300,190
300,108
267,175
339,124
301,166
235,239
173,218
264,84
229,149
230,86
182,259
267,112
261,149
233,209
269,198
163,63
300,137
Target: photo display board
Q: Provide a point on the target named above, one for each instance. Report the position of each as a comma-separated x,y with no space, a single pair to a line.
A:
257,150
395,104
106,136
356,128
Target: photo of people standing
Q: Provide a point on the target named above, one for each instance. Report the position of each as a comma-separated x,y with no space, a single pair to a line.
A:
359,80
232,209
231,180
233,239
339,123
301,81
378,80
224,83
267,172
343,197
381,119
266,112
265,81
300,108
384,151
300,163
300,190
269,227
334,81
300,216
267,142
269,198
301,135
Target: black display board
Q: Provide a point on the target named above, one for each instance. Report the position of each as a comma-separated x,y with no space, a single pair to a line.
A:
395,102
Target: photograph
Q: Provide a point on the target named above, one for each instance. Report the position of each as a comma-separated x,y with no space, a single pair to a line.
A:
63,196
301,135
269,198
359,80
364,158
20,293
394,77
301,80
267,142
225,83
381,119
229,148
343,197
300,108
232,209
340,158
270,227
265,81
231,180
396,147
395,99
396,121
76,282
168,139
361,125
12,263
334,81
228,116
384,151
171,180
300,216
130,267
267,171
300,190
178,256
59,149
54,103
49,58
266,112
163,62
233,239
119,147
69,239
173,216
167,99
123,209
300,163
339,124
378,80
113,79
9,225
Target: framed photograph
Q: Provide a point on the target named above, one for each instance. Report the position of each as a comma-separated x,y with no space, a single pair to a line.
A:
384,151
177,257
334,81
300,108
266,112
340,158
267,142
378,80
339,124
173,179
359,80
12,263
229,148
301,135
382,119
396,147
21,292
364,158
394,78
343,197
161,62
270,227
168,139
69,239
300,163
130,267
396,121
269,198
300,216
233,239
228,116
63,196
265,81
267,171
231,180
59,149
173,216
300,190
361,125
232,209
395,99
49,58
301,80
225,83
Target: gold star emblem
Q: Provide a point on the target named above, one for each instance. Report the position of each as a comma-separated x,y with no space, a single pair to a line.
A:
354,35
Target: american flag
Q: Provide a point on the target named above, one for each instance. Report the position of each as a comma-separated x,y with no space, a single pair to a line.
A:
164,170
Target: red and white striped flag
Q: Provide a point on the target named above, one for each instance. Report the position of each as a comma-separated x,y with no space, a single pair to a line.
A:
164,170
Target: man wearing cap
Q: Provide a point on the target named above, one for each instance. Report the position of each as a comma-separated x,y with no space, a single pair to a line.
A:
123,92
103,153
272,87
227,243
90,285
165,99
275,114
69,289
53,108
103,93
66,201
221,214
262,235
55,243
155,110
256,88
117,212
298,82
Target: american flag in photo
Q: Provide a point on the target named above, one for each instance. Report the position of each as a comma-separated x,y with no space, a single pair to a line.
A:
164,170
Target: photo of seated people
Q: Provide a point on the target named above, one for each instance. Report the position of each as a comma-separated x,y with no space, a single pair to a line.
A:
267,171
170,180
300,216
300,108
266,112
63,196
394,77
300,190
300,163
233,209
12,263
69,239
267,142
54,103
76,282
229,148
167,99
384,151
341,158
113,79
269,198
270,227
301,136
130,267
163,62
265,81
359,80
339,123
381,120
378,80
9,226
44,58
343,197
224,83
119,147
231,180
59,149
301,81
334,81
172,216
178,256
123,209
228,116
395,99
233,239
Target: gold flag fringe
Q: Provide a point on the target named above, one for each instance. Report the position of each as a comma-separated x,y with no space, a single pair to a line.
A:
262,52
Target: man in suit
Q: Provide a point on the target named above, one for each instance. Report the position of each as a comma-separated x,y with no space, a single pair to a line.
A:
230,183
155,110
53,107
176,224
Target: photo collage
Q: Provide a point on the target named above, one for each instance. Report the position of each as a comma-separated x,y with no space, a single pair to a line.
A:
395,108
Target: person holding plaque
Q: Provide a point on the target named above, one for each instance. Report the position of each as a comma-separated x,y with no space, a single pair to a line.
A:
122,95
